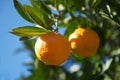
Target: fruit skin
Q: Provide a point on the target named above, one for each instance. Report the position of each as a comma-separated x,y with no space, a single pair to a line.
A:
84,42
52,48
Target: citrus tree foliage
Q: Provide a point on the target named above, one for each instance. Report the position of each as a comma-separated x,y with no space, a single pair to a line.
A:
102,16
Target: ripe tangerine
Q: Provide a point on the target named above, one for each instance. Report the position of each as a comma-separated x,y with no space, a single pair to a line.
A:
52,48
84,42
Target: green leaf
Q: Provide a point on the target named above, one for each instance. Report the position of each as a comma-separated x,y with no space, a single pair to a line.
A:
95,3
27,38
44,10
106,16
29,31
107,77
21,10
41,6
44,6
71,27
35,15
35,4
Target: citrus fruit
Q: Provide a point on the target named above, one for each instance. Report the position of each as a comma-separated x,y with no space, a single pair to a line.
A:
52,48
84,42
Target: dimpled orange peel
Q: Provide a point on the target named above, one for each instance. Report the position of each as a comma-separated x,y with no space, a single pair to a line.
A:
84,42
52,48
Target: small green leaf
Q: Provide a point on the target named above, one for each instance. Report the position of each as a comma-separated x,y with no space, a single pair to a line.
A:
107,77
21,10
46,8
43,6
35,4
95,3
112,20
35,15
29,31
71,27
43,9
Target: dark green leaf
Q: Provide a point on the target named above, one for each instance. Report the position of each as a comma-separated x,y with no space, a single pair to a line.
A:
44,10
41,6
24,38
106,16
27,37
71,27
95,3
29,31
44,6
107,77
35,15
47,9
35,4
21,10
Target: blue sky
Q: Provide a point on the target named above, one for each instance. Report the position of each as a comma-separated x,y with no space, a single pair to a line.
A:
11,64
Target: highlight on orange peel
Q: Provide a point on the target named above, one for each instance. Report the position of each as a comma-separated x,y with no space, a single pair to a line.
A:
84,42
52,48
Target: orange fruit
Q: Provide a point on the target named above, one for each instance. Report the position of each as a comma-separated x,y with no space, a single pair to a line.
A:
52,48
84,42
